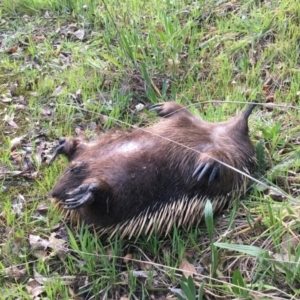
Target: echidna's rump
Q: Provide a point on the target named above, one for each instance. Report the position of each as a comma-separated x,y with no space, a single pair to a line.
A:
143,180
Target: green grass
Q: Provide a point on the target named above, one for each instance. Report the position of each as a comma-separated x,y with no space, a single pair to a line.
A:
212,56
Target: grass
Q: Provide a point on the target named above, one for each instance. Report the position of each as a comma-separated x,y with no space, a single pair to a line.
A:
86,65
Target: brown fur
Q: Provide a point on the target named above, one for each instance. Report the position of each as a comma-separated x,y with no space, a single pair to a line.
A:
140,180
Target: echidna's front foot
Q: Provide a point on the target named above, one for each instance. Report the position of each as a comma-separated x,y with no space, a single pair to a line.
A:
206,170
83,195
156,107
59,150
168,109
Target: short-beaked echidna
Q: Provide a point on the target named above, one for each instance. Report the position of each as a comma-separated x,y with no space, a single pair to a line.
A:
144,180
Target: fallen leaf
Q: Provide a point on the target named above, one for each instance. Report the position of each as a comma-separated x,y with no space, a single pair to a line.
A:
13,89
57,91
18,204
58,246
289,243
79,34
16,142
143,274
38,38
145,266
187,268
34,288
45,111
10,121
64,280
173,62
12,49
270,98
276,196
37,243
127,258
19,107
6,98
139,107
10,173
187,40
266,87
78,95
285,259
43,254
15,272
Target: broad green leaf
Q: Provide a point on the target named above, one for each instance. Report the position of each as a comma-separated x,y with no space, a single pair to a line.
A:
251,250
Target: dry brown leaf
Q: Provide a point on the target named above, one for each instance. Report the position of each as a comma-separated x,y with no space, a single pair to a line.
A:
17,158
6,98
19,107
12,49
285,259
42,207
38,38
289,243
34,288
78,94
16,142
18,204
187,268
270,98
74,295
266,87
145,266
40,254
13,89
64,280
10,173
10,121
15,272
57,91
45,111
109,253
79,34
143,274
58,246
127,258
37,243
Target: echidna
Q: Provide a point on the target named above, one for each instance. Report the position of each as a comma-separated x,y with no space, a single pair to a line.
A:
144,180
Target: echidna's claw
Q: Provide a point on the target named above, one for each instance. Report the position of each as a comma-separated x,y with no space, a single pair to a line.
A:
198,169
58,150
83,195
213,174
156,107
205,169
